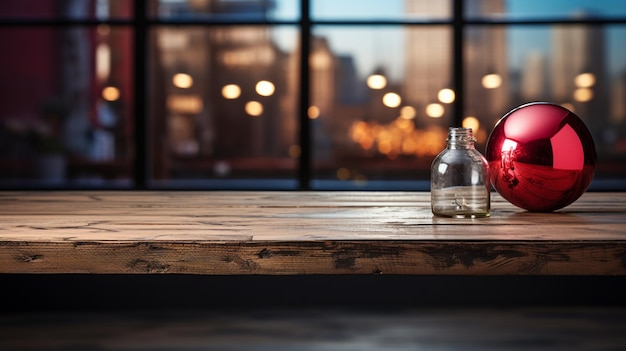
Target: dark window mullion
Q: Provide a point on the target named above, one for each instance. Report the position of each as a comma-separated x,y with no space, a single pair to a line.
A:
305,160
141,129
458,28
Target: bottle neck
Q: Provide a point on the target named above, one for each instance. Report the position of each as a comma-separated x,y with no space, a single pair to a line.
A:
460,138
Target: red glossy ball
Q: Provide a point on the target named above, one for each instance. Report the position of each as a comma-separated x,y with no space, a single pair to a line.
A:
541,157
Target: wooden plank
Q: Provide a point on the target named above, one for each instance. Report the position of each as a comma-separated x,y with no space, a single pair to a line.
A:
339,257
302,233
290,216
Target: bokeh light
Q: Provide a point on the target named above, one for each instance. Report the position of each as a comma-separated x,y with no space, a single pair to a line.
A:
376,81
471,122
585,80
435,110
313,112
408,112
231,91
182,80
111,93
446,96
265,88
583,94
491,81
392,100
254,108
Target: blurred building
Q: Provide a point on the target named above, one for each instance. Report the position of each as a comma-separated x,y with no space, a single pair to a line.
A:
429,65
618,106
487,82
534,77
240,102
578,71
428,61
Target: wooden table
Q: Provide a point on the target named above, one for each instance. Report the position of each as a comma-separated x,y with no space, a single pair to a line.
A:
300,233
306,271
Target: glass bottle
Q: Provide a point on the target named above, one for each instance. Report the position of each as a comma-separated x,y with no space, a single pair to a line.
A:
459,178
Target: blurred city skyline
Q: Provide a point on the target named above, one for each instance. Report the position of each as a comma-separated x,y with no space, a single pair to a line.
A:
521,39
227,101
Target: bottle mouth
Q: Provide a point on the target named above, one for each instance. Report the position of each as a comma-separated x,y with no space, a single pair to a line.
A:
461,134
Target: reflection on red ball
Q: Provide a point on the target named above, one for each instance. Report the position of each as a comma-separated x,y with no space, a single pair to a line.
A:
541,157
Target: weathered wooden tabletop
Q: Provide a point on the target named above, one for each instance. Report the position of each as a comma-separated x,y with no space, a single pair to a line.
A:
219,232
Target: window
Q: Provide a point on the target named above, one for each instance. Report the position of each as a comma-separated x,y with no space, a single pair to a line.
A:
291,94
67,94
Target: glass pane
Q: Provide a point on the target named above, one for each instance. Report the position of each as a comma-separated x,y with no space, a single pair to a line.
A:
581,67
224,106
67,9
541,9
229,10
381,10
377,111
66,106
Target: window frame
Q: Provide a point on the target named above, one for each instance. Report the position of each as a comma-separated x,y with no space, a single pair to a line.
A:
141,23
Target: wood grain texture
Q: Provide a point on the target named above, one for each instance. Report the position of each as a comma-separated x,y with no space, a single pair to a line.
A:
302,233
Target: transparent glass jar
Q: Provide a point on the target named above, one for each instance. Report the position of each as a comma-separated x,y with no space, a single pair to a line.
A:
459,178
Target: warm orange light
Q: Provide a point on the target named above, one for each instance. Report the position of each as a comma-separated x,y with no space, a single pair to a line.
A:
110,93
384,147
400,137
254,108
409,146
404,124
446,96
471,122
182,80
231,91
583,94
585,80
435,110
321,60
491,81
408,112
190,104
376,81
313,112
392,100
265,88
